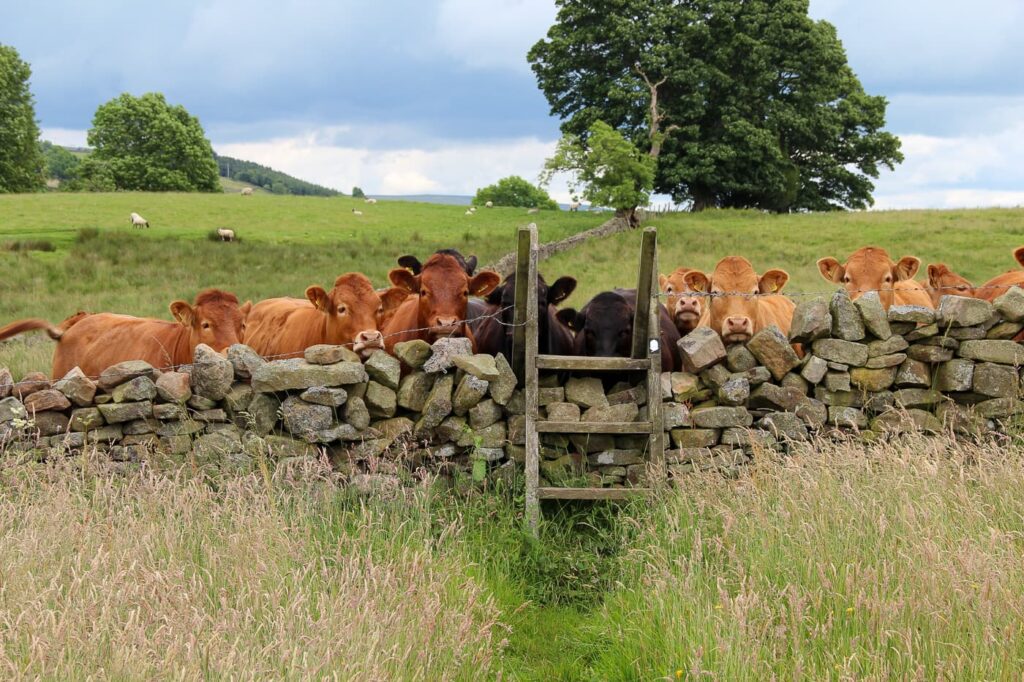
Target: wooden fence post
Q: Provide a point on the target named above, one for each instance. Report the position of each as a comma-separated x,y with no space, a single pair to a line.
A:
644,289
530,377
526,234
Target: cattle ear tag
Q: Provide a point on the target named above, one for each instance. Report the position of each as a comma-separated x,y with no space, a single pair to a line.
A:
654,345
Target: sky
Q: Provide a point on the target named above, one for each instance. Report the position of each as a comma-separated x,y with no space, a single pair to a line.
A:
436,96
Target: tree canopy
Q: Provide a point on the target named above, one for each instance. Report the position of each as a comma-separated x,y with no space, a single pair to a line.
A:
21,162
744,103
146,144
273,181
60,163
514,191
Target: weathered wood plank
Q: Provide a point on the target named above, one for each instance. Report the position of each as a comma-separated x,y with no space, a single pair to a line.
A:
531,388
571,362
641,319
548,493
654,411
594,427
519,312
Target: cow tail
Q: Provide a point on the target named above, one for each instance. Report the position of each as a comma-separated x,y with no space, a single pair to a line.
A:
22,326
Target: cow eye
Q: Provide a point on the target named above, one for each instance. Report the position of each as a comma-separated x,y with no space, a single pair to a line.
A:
668,289
888,278
846,280
341,309
465,293
206,325
380,309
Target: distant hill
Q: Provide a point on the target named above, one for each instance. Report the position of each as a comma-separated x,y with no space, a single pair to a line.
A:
449,199
271,180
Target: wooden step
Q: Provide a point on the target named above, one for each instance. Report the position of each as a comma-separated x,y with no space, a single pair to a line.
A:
572,362
594,427
550,493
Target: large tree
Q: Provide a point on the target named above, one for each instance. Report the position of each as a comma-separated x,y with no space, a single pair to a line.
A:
745,103
21,163
146,144
514,191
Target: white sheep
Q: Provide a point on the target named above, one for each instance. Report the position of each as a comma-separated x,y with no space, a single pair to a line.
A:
371,201
225,234
137,221
247,191
532,211
489,204
574,206
469,213
355,212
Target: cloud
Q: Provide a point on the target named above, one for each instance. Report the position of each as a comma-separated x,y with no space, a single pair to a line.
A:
65,137
495,34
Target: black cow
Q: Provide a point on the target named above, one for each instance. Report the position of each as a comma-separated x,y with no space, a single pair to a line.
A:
604,328
493,337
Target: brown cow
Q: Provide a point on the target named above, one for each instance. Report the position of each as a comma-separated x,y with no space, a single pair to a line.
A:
391,299
687,312
347,315
948,282
742,303
871,269
94,342
437,303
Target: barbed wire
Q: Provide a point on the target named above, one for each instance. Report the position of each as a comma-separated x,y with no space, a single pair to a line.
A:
297,354
955,290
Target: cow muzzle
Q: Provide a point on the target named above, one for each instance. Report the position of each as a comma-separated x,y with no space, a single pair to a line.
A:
365,343
445,326
737,329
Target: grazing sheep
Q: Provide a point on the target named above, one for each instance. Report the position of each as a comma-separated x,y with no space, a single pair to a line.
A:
137,221
472,209
371,201
574,206
489,204
469,213
225,234
247,191
355,212
532,211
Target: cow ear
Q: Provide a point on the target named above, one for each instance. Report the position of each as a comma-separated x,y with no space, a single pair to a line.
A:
494,298
484,282
319,298
661,281
183,313
936,270
411,263
697,280
831,269
571,319
470,265
246,309
561,289
906,268
1018,255
403,279
772,281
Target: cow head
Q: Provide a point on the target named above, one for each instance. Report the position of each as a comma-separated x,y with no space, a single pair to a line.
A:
1018,255
735,289
870,269
504,296
444,287
604,327
215,319
942,282
684,310
412,263
390,299
350,310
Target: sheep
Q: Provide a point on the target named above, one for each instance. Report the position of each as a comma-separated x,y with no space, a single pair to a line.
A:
247,191
489,204
469,213
137,221
355,212
225,234
574,206
532,211
371,201
472,209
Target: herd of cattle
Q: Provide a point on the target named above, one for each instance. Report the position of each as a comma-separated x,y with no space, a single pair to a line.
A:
446,296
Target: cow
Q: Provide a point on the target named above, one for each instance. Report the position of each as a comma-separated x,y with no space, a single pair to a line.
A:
942,281
346,315
95,341
412,263
741,302
871,269
225,234
687,312
491,320
604,328
246,191
439,294
135,220
390,300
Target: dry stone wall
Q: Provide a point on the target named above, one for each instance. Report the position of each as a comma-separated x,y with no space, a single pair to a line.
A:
860,372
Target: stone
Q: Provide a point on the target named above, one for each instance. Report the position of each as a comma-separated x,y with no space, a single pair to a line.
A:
917,397
963,420
701,349
412,353
7,382
913,373
873,380
849,417
585,392
838,350
837,381
969,333
735,391
784,426
994,381
169,412
695,438
380,400
839,398
846,320
516,403
138,427
616,458
414,389
75,386
139,388
714,377
481,366
356,413
468,393
634,394
876,320
1002,331
906,421
327,354
211,448
756,377
85,419
625,412
116,413
339,432
438,405
47,399
283,447
880,401
883,361
297,374
813,413
770,396
999,352
485,413
814,369
443,352
739,359
683,385
999,407
772,350
260,416
493,436
125,371
174,387
303,419
931,355
198,402
838,367
721,417
50,423
954,375
962,311
546,396
244,360
1010,305
105,434
911,313
675,415
811,320
212,373
384,369
893,344
505,384
923,332
30,383
941,342
748,438
795,381
321,395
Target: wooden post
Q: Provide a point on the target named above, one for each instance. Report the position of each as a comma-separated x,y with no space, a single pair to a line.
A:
530,377
641,320
657,440
519,314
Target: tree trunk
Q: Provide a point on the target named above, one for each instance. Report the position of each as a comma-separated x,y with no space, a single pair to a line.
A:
702,199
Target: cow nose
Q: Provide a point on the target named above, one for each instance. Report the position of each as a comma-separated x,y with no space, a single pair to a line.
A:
370,339
737,325
447,322
687,306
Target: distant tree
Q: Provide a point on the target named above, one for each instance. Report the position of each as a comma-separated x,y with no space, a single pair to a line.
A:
151,145
744,104
606,168
514,191
92,175
21,162
357,193
60,163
